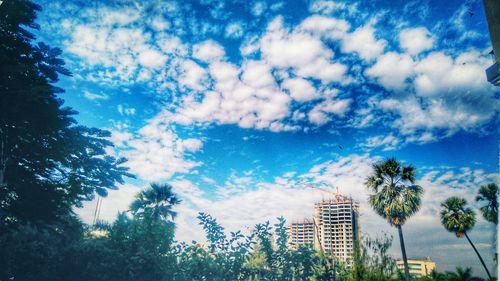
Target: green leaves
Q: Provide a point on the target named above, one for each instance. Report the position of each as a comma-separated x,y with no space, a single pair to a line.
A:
395,197
155,203
488,196
48,161
456,217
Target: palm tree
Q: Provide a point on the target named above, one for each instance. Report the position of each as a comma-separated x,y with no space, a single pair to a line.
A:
155,202
434,276
396,196
489,195
462,275
459,219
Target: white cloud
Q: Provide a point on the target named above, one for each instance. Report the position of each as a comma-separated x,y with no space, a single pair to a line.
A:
110,48
320,114
257,74
191,145
327,7
363,42
392,70
120,139
152,58
298,59
127,111
208,51
252,101
92,96
193,75
303,52
387,142
439,73
234,30
123,16
249,46
449,115
156,152
416,40
446,94
300,89
326,27
258,8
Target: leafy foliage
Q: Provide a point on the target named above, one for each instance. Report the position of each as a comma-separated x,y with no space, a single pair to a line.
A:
456,217
155,202
488,195
396,197
459,219
48,163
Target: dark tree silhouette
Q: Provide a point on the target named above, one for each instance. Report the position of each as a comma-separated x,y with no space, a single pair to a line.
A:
48,162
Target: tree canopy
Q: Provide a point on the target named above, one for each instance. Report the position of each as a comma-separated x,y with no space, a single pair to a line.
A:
48,162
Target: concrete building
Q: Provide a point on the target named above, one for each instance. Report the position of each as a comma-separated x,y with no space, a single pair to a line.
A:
418,268
492,10
337,227
301,233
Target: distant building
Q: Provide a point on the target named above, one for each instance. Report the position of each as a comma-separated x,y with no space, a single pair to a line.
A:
301,233
418,268
337,227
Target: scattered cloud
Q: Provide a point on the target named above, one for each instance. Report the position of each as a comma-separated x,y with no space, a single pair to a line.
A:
157,153
416,40
235,30
280,82
259,8
392,70
95,97
208,51
363,42
127,111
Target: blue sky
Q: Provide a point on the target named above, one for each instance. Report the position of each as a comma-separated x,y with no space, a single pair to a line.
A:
241,105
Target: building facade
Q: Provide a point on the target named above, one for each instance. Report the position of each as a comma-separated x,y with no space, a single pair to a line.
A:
301,233
418,268
337,225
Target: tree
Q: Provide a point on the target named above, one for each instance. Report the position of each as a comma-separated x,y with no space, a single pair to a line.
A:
48,163
488,195
459,219
434,276
372,262
155,202
462,275
396,197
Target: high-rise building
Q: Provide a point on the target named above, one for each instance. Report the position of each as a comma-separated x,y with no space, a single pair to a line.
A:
301,233
418,268
492,9
337,227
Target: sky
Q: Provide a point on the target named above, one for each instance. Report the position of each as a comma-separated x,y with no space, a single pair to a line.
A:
242,106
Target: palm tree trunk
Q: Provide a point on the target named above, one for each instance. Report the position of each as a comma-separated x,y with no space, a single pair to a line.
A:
480,258
403,251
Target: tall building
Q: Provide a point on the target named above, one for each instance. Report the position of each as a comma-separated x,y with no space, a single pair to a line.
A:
301,233
492,9
337,227
418,268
